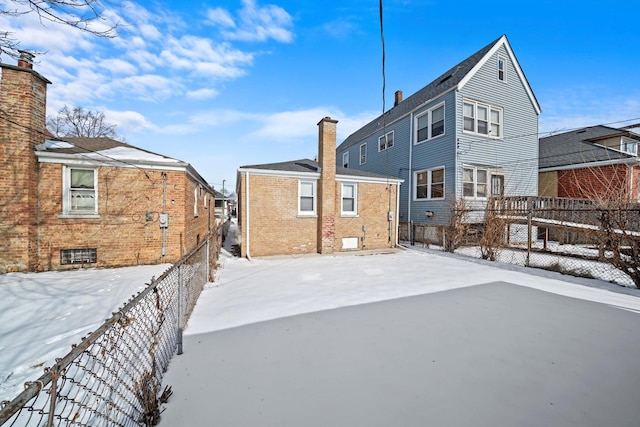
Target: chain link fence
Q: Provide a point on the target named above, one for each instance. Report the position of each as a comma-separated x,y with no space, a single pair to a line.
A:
113,377
575,237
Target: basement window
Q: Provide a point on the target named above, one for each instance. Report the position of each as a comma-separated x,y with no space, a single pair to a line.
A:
79,256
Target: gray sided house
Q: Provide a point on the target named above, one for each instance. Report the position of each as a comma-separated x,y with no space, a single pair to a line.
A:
469,134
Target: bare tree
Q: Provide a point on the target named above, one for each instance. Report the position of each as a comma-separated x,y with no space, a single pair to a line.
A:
78,122
80,14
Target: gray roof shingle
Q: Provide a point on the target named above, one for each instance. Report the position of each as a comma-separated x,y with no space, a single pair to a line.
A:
580,147
307,165
443,83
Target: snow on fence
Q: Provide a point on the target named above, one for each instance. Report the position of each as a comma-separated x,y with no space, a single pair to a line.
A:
113,377
561,235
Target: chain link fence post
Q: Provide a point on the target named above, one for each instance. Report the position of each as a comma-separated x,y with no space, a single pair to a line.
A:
180,306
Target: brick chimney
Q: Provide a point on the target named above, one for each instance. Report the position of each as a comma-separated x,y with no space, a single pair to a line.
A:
398,98
23,97
327,185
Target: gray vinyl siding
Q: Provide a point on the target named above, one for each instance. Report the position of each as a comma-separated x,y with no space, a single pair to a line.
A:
390,162
516,153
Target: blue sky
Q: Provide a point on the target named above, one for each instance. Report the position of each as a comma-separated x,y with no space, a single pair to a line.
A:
237,82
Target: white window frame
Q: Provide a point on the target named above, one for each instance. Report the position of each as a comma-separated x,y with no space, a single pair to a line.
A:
195,199
363,153
627,143
67,205
476,184
354,196
503,60
345,159
314,196
491,124
429,116
428,184
386,145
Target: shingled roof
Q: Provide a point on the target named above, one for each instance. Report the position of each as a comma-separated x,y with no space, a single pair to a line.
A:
445,82
311,166
580,147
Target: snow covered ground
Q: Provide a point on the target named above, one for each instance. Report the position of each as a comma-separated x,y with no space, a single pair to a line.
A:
258,339
43,314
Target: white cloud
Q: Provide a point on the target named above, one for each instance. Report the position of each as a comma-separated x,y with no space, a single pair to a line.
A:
255,23
221,17
118,66
201,94
130,120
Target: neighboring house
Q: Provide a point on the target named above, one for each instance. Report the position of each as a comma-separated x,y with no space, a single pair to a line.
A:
598,162
305,206
222,206
468,135
87,201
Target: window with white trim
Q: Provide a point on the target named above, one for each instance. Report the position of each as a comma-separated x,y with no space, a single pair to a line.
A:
429,184
629,145
349,198
502,69
195,199
430,124
474,182
306,197
482,119
80,191
363,153
385,141
345,159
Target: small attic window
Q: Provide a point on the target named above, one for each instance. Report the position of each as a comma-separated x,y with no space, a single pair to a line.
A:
502,69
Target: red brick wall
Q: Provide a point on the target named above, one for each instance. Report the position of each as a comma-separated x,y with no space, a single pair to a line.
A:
604,182
22,100
122,234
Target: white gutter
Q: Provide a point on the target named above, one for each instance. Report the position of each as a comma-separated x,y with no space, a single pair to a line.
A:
629,161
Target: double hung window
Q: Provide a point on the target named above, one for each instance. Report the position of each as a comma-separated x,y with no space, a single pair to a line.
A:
482,119
429,184
385,141
307,197
349,199
80,191
430,124
363,153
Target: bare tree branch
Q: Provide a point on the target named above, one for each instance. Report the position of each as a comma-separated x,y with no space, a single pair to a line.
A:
79,14
78,122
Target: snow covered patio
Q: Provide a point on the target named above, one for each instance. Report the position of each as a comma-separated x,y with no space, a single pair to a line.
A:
406,338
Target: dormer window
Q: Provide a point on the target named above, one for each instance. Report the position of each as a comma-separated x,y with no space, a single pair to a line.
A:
628,145
502,69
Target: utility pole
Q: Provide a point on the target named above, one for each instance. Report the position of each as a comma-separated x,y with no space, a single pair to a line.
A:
224,208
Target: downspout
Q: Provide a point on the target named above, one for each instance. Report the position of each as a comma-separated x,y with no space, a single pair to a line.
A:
397,213
163,251
409,181
246,225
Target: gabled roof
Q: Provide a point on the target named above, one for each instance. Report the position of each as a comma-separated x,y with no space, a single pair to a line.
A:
579,147
311,166
454,78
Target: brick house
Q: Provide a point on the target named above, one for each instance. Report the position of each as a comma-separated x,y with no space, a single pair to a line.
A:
87,201
598,162
304,206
